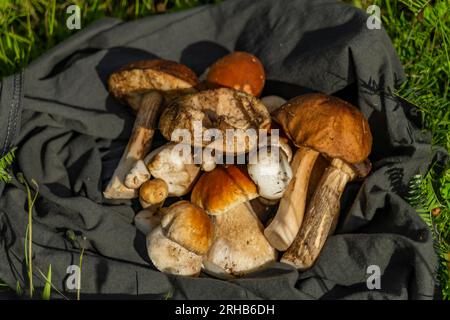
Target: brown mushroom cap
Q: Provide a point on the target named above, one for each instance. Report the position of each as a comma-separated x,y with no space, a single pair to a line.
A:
166,76
189,226
154,191
222,189
328,125
238,70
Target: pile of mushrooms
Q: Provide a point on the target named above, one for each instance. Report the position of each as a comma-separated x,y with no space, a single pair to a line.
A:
208,215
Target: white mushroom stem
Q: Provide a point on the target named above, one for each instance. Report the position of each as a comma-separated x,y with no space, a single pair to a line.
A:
288,219
137,175
322,212
239,245
138,146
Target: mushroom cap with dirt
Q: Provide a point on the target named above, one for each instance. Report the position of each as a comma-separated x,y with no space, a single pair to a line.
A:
136,78
217,109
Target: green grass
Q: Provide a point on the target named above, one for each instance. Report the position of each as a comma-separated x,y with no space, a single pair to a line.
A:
28,28
419,29
420,32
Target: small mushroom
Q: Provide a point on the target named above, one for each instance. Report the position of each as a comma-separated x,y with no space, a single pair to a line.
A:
330,126
153,193
270,169
171,167
238,70
177,245
143,85
239,245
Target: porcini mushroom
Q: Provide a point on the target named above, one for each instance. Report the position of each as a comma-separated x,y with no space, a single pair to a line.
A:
153,193
238,70
239,246
177,245
336,129
219,109
143,85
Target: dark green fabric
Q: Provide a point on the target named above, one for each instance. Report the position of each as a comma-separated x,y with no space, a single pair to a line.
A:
70,134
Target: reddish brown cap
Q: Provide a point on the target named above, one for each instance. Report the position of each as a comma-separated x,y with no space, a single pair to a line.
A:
222,189
327,124
240,71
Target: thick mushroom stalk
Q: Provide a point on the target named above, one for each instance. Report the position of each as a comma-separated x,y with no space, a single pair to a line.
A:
137,147
239,246
288,219
322,212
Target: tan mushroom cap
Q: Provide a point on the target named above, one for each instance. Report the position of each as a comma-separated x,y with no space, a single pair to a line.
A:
221,109
189,226
222,189
166,76
154,191
238,70
328,125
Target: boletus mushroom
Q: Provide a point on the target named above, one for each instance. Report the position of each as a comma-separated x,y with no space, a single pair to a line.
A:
184,236
143,85
319,123
238,70
239,246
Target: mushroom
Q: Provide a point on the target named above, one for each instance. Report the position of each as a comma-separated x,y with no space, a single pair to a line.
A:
272,103
218,109
238,70
143,85
139,172
172,167
153,193
270,170
323,124
184,236
239,246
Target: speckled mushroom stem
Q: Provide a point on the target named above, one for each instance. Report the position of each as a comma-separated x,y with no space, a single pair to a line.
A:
285,225
138,146
322,211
